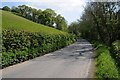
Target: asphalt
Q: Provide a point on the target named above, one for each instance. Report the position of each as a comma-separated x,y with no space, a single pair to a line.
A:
74,61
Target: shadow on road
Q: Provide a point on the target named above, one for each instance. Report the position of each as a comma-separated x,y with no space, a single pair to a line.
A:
82,48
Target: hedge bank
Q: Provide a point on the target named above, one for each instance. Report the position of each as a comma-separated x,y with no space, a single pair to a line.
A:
19,46
106,66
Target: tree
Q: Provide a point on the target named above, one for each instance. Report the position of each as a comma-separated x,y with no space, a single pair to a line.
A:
34,15
15,9
102,21
47,17
74,28
6,8
22,10
61,23
39,12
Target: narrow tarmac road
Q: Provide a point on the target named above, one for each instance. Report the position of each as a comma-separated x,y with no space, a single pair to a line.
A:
74,61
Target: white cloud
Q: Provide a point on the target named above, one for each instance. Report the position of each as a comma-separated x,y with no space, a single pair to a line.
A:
64,5
70,9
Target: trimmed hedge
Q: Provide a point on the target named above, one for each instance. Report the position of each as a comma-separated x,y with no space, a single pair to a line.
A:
19,46
106,67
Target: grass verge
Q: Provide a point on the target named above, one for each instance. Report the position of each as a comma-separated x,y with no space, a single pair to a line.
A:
106,67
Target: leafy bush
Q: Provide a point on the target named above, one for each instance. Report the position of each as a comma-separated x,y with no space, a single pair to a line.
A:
106,67
19,46
116,49
99,49
116,52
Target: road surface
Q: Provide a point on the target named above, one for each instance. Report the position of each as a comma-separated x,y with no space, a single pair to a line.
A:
74,61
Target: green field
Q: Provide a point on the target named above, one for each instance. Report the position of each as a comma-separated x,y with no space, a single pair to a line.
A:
12,21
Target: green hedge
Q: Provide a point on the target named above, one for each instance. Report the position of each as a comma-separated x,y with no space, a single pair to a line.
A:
106,67
116,52
116,49
19,46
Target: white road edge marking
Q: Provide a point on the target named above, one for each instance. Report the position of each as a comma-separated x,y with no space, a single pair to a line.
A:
88,69
85,44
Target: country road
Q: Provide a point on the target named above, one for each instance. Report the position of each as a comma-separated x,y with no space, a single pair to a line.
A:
74,61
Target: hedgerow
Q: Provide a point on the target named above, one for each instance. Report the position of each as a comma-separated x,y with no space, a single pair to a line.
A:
116,52
116,49
19,46
106,67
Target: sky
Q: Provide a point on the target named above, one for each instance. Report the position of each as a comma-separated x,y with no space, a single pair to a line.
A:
70,9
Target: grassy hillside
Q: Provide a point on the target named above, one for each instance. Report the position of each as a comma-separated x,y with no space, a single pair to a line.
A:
12,21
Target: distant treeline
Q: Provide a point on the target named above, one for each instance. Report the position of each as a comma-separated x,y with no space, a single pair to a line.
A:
46,17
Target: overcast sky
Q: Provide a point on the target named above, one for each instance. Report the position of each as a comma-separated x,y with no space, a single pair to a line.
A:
70,9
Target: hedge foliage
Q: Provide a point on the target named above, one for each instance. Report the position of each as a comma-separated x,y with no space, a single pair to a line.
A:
19,46
116,52
106,67
116,49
